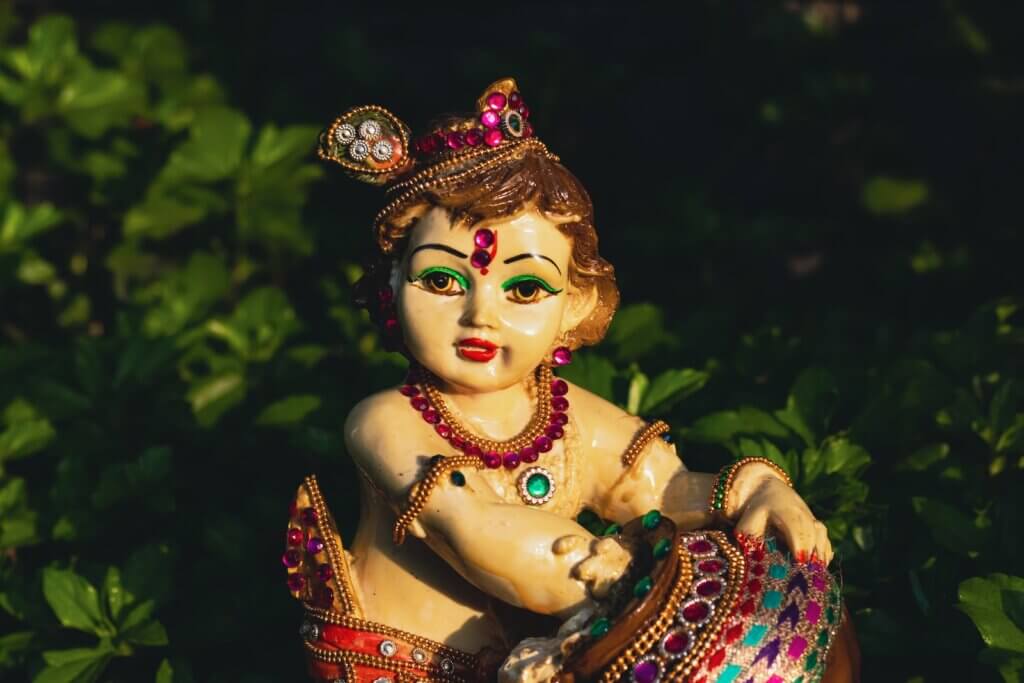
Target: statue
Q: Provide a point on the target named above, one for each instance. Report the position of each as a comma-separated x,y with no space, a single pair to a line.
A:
490,487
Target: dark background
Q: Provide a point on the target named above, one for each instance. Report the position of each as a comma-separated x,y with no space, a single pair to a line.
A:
813,206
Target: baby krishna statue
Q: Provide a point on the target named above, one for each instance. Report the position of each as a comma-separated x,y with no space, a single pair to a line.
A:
488,279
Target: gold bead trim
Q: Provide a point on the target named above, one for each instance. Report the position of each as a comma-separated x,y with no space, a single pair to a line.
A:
538,423
650,431
395,666
431,646
391,119
421,490
343,581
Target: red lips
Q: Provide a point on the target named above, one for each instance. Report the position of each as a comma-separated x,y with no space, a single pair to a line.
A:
479,350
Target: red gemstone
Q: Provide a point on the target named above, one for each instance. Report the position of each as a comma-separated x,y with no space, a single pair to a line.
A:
709,588
757,570
560,404
696,612
711,566
391,325
562,356
294,536
559,387
410,390
291,559
754,586
554,432
492,460
515,100
676,642
497,101
454,140
700,547
757,555
309,516
472,449
483,238
529,454
474,137
444,430
324,572
493,137
296,582
458,442
525,111
511,460
420,403
559,419
480,258
490,119
431,416
542,444
314,545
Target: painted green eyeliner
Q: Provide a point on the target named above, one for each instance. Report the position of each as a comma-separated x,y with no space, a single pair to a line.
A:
515,280
456,275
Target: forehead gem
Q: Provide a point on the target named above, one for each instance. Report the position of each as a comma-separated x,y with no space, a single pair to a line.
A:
483,238
480,259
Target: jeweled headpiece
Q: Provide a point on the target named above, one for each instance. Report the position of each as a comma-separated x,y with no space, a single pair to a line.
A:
373,145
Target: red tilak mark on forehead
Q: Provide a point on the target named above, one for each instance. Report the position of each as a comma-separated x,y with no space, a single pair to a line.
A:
486,242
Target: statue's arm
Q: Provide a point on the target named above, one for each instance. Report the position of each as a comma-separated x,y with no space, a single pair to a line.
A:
521,555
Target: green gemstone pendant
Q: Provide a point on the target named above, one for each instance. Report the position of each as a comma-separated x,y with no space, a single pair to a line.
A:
536,486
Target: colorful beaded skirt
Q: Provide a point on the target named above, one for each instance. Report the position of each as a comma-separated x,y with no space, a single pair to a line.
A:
711,612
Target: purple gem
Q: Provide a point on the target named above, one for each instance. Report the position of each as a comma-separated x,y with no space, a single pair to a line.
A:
483,238
511,460
496,100
309,516
529,454
542,444
490,119
560,404
492,460
559,387
291,559
645,672
480,259
314,545
296,582
454,140
554,432
324,572
562,356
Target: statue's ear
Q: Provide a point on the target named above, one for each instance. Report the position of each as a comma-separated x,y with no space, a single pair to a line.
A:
581,304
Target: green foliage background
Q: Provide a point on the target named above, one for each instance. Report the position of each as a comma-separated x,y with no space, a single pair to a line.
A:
812,212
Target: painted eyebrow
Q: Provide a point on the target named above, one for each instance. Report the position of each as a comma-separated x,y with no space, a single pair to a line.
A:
442,247
520,257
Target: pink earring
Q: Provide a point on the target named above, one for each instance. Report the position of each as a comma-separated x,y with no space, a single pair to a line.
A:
561,356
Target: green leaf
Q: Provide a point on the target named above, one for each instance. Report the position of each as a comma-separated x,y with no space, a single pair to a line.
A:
80,665
185,296
13,648
213,151
289,410
95,100
949,527
261,322
840,456
637,330
26,431
813,399
592,372
888,196
114,596
161,216
75,601
17,521
149,633
923,458
20,223
983,601
670,387
214,395
165,674
638,385
722,427
51,47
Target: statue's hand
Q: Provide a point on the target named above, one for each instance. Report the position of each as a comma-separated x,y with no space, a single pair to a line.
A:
760,497
607,562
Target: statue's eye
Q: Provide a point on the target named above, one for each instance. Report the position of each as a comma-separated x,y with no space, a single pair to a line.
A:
446,281
528,289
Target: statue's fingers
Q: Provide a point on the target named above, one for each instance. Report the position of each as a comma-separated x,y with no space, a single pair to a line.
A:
823,545
797,528
753,522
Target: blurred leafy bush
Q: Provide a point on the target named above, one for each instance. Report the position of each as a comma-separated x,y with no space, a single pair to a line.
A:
179,349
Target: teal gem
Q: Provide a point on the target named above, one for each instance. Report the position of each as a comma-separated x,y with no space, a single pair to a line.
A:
587,517
458,478
643,587
538,485
652,519
515,124
661,548
612,529
600,627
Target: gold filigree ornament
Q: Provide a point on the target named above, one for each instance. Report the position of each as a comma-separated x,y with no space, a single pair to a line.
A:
370,143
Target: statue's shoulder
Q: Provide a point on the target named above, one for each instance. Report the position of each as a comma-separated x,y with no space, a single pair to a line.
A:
383,436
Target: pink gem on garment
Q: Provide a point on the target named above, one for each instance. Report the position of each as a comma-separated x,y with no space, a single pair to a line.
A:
559,387
542,444
646,671
676,642
294,536
291,559
700,547
474,137
496,101
510,460
455,140
562,356
696,611
492,459
296,582
324,572
490,119
493,137
812,612
709,588
309,516
314,545
529,454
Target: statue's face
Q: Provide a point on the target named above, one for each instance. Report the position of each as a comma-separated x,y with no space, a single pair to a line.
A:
482,328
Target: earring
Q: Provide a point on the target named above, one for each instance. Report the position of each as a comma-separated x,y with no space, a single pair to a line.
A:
388,317
562,355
